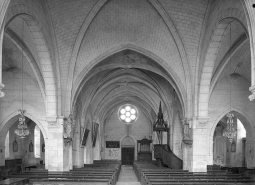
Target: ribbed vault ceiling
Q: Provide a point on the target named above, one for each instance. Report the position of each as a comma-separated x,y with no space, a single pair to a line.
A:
128,76
110,87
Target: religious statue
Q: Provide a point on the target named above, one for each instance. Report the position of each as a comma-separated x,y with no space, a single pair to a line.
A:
68,126
31,147
43,147
15,146
233,146
185,129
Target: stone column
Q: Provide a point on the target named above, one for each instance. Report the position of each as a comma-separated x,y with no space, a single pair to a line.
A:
1,54
2,155
200,146
89,150
55,144
250,153
186,156
251,25
68,155
77,150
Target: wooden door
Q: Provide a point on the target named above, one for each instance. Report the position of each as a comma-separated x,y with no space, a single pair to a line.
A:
127,155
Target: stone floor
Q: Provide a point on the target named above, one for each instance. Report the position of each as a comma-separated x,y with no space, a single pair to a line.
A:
127,176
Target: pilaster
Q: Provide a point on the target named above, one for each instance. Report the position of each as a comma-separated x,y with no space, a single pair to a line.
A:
200,145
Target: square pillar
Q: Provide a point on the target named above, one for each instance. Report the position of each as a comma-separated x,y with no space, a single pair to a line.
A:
250,153
55,144
200,145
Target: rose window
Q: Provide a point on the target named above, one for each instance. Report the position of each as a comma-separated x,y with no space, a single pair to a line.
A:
128,113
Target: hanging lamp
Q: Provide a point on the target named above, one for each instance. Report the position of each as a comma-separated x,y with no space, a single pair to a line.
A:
22,129
230,131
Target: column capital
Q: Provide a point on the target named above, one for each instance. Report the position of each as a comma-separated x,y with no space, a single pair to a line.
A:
201,122
252,96
52,120
1,92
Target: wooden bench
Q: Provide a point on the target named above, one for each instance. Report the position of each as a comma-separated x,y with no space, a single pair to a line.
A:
92,177
189,177
90,174
149,174
14,181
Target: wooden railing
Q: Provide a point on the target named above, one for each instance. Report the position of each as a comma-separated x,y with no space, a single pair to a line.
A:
163,153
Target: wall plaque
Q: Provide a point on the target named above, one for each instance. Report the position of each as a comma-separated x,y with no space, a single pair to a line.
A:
112,144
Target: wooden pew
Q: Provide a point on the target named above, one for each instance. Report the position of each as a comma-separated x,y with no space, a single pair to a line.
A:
189,177
14,181
149,174
65,177
105,173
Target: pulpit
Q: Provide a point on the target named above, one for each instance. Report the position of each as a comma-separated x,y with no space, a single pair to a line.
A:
160,126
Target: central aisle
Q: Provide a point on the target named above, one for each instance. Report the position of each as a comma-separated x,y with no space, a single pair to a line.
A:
127,176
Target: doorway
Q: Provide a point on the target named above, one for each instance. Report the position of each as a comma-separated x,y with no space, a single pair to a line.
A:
127,156
127,151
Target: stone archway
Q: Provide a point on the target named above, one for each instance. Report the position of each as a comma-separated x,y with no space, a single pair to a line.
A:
128,150
220,24
8,123
40,39
246,121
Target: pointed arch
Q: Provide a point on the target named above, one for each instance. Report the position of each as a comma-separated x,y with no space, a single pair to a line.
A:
40,39
210,57
242,116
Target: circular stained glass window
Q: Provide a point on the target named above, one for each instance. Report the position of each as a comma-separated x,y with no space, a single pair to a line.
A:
128,113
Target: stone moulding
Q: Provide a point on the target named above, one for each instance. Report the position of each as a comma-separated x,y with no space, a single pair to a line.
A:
188,142
67,141
52,121
201,125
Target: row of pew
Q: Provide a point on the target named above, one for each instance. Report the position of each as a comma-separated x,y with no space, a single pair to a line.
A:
150,174
105,173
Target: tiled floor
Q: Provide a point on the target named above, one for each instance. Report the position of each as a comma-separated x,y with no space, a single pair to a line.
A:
127,176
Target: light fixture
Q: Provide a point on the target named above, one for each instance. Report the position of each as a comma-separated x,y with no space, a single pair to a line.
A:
230,131
22,129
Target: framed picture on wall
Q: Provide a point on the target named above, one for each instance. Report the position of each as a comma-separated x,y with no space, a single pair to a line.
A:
112,144
85,137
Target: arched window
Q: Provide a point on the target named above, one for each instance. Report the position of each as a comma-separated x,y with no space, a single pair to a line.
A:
7,143
37,145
